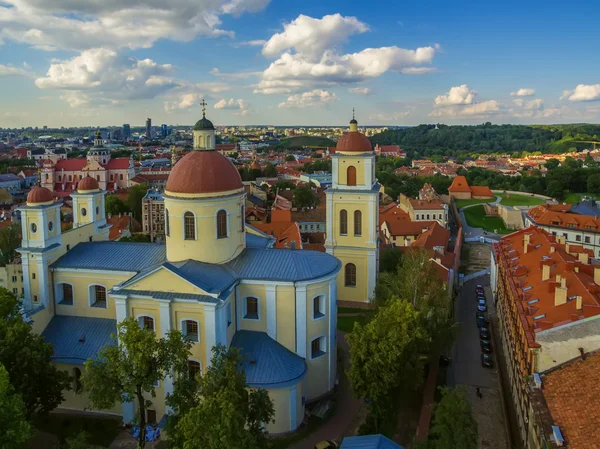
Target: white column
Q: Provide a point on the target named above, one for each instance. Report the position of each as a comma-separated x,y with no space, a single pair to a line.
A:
301,321
329,222
372,273
210,330
293,408
272,311
334,172
332,331
238,309
121,308
43,281
220,326
165,317
26,281
373,218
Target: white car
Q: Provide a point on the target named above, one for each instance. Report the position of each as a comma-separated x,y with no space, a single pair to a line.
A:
481,306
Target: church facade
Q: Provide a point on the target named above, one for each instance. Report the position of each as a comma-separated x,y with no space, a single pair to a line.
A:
215,279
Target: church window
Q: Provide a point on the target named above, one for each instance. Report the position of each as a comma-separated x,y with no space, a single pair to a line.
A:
167,224
32,275
428,216
194,369
190,330
35,298
189,224
65,293
242,218
318,307
97,177
229,314
33,228
251,306
97,210
112,177
50,225
350,275
357,222
221,224
98,296
318,347
121,177
207,142
70,178
83,211
351,176
146,322
77,387
344,222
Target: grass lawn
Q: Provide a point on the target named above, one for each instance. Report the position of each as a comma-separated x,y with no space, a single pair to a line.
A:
573,198
463,203
509,199
350,310
346,323
476,218
101,430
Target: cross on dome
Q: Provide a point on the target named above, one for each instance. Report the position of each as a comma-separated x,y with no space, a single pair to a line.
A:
203,104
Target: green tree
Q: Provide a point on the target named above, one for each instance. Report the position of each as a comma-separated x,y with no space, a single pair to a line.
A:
384,355
593,183
129,369
80,440
552,163
282,185
27,359
305,197
453,426
134,200
290,158
15,429
270,171
115,206
389,259
218,410
10,240
136,238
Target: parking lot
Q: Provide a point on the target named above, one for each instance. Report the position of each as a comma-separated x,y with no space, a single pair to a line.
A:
466,369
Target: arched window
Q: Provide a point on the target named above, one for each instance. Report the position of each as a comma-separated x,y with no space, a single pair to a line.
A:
65,294
207,142
194,369
221,224
146,322
351,176
357,222
167,224
77,387
189,225
350,275
190,330
428,216
98,296
242,218
344,222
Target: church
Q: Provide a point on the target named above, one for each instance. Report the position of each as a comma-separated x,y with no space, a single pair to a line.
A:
215,279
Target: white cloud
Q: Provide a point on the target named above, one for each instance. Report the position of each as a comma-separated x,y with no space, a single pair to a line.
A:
185,101
531,108
9,115
523,92
239,75
482,109
309,55
85,24
582,92
9,70
75,98
456,95
234,105
312,98
418,70
360,90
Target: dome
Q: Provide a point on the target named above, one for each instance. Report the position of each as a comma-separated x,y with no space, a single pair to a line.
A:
39,195
204,124
354,142
203,172
88,183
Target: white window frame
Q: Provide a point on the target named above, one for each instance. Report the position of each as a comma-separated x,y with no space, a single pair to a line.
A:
245,311
227,222
183,225
92,296
140,321
183,327
59,294
322,347
322,307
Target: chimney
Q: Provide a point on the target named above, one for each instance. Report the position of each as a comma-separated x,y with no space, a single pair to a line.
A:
579,303
525,243
545,272
597,275
560,293
109,215
584,258
552,249
567,247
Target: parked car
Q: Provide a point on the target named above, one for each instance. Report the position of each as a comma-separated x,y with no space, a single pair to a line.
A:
486,345
487,361
479,288
327,444
481,306
480,319
484,333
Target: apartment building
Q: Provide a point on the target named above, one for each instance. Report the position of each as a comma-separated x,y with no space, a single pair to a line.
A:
153,214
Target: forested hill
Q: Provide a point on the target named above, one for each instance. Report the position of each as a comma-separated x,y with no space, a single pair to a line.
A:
425,140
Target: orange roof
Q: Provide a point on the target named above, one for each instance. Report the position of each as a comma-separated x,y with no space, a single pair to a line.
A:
547,216
481,191
536,297
572,394
119,224
286,232
459,184
426,204
434,236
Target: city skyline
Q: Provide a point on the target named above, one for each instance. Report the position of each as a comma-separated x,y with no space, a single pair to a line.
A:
273,63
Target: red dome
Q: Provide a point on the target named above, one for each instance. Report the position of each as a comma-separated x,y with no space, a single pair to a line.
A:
203,172
354,142
88,183
39,195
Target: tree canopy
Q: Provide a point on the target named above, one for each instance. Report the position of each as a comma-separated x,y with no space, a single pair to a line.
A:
134,199
453,425
305,197
10,240
15,429
115,206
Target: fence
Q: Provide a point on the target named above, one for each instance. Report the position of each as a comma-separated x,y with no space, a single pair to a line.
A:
481,239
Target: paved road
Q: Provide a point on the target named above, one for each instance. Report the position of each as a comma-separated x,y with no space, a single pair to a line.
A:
466,369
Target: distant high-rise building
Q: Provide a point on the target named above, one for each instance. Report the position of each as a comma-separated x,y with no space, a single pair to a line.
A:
164,130
148,127
126,131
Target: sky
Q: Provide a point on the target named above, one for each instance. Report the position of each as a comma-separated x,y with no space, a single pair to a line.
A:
278,62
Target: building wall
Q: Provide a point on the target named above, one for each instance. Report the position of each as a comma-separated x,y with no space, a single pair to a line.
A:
460,195
360,258
589,239
283,402
258,292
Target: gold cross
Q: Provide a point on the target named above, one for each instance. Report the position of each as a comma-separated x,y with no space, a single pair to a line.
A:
353,114
203,104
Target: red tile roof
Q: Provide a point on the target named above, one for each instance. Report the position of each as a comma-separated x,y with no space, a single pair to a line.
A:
434,236
481,191
71,164
546,215
119,224
120,163
459,184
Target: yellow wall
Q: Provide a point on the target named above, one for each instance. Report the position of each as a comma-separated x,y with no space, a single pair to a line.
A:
7,273
206,247
352,203
359,258
286,316
181,311
259,292
317,377
165,281
145,307
344,163
281,401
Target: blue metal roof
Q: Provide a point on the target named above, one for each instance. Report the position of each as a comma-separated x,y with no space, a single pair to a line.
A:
283,264
212,278
113,256
268,364
77,339
369,442
163,295
259,241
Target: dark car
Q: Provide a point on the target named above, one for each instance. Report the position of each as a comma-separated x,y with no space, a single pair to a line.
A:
479,289
480,319
484,333
486,361
486,345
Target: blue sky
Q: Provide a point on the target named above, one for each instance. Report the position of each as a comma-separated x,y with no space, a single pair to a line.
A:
283,63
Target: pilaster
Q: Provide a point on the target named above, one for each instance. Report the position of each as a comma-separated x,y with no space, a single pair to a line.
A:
272,311
301,321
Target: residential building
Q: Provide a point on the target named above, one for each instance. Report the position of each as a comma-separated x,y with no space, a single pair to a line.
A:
424,210
548,304
149,128
153,214
389,151
29,177
283,229
11,182
396,227
126,131
461,190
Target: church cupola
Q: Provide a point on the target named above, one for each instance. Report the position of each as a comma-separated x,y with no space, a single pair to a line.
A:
98,139
204,132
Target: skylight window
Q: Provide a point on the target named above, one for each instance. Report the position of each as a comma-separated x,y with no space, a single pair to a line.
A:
527,288
539,317
533,301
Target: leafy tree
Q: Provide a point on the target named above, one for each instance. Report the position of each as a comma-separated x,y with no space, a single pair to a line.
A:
389,259
15,429
79,441
115,206
453,426
551,164
270,171
218,410
283,185
134,199
10,240
27,359
305,197
290,158
384,355
136,238
129,369
593,183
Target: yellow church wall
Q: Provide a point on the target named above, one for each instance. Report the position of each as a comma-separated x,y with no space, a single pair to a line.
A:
206,247
230,331
80,234
317,375
41,319
352,203
145,307
165,281
81,283
182,311
281,402
360,260
259,292
344,163
88,205
286,316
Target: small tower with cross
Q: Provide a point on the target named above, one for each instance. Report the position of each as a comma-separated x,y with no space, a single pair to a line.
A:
204,132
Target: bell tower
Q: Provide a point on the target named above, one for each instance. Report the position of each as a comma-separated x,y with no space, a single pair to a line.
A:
204,132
